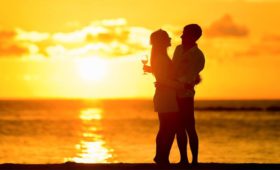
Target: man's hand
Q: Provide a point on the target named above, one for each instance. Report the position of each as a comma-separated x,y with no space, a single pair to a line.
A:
147,69
176,86
197,80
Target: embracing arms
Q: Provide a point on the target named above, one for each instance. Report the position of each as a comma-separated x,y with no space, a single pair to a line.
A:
172,84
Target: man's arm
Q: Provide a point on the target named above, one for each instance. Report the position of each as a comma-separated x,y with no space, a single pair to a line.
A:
164,79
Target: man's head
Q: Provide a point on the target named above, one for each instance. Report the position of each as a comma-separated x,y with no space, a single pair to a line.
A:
191,34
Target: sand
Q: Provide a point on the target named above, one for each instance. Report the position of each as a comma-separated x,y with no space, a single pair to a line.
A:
139,166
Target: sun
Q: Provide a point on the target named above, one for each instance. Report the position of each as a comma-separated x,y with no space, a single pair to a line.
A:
91,69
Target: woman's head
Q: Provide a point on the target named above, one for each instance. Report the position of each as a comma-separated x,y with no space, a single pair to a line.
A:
159,41
160,38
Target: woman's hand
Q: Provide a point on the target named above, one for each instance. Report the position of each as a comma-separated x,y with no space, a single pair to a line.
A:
147,69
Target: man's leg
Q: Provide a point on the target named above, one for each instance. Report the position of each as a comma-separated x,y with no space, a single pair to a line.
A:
182,138
193,142
187,105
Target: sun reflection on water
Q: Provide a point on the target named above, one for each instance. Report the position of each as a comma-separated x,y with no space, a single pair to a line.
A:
91,148
91,114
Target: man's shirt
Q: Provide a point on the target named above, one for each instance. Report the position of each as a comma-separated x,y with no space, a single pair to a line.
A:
187,65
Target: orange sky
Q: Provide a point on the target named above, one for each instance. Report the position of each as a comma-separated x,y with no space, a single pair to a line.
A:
92,49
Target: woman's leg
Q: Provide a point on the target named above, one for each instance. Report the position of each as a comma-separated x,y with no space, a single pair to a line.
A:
161,157
164,137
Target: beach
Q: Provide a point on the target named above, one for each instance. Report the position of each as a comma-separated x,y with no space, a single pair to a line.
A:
140,166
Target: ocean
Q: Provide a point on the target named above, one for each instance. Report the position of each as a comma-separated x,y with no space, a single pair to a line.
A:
112,131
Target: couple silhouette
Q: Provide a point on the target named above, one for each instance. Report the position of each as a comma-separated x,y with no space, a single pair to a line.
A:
174,93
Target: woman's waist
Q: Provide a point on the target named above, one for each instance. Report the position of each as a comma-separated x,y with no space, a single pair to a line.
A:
164,77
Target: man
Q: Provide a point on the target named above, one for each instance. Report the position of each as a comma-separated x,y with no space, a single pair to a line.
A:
188,60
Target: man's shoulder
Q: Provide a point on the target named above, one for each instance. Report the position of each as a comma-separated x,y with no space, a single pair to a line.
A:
177,52
178,47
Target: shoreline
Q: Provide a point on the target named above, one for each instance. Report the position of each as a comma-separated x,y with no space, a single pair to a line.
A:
139,166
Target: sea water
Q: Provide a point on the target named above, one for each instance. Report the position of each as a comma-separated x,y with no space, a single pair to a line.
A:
106,131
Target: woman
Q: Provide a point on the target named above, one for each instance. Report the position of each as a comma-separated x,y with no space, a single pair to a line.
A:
165,99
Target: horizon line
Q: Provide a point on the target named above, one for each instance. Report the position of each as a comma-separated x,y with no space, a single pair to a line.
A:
131,98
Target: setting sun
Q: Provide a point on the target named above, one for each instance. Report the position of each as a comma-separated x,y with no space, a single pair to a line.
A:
91,69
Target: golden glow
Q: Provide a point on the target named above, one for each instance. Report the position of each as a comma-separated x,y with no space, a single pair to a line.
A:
92,147
91,69
91,114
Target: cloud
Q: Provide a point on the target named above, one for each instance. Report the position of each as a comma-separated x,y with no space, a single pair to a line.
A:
6,35
271,38
107,38
226,27
267,46
31,36
104,38
9,46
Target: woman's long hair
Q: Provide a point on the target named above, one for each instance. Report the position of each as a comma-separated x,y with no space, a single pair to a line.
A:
157,39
